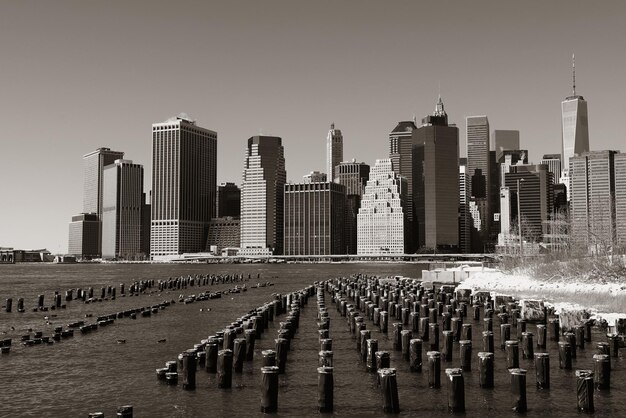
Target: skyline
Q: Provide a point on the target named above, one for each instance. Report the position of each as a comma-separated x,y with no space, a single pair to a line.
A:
289,70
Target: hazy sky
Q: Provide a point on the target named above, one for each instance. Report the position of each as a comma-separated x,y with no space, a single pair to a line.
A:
77,75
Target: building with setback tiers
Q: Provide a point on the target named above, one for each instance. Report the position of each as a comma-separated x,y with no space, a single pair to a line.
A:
262,196
334,151
380,222
184,168
123,201
314,218
436,182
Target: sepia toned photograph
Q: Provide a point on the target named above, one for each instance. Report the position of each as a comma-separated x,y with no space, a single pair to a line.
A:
291,208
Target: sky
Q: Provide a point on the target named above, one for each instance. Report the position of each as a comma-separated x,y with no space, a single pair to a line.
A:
78,75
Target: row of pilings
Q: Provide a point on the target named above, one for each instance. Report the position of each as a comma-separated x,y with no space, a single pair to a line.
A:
224,352
60,299
417,317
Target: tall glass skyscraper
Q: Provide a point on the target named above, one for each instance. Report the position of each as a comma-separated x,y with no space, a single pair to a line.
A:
478,171
184,184
262,196
93,166
574,128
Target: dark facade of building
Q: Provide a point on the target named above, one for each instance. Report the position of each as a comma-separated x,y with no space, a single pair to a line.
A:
536,196
314,219
478,159
224,232
228,200
354,177
401,143
436,182
84,239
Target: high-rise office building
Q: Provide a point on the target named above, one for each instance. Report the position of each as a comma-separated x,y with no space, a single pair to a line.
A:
334,151
620,201
93,165
84,236
401,144
436,182
508,159
224,232
184,183
262,196
478,169
146,220
535,194
464,211
593,200
380,222
478,155
503,140
314,218
228,200
122,203
354,177
574,128
553,161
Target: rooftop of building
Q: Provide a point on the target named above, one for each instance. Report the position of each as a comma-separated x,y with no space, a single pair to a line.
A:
404,126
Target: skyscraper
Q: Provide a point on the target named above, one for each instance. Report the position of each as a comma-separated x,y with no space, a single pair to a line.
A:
593,200
380,223
620,201
122,208
262,196
354,177
184,165
228,200
465,243
574,128
334,151
315,177
314,218
436,182
84,236
478,169
93,165
401,143
504,140
553,161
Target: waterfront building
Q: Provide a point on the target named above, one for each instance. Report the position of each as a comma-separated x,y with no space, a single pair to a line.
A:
262,196
504,140
146,220
93,167
354,177
228,200
314,177
381,218
224,232
574,129
553,161
478,169
464,211
184,168
122,202
84,236
314,218
436,182
334,151
593,200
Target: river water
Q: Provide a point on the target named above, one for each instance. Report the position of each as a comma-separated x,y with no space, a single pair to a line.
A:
92,372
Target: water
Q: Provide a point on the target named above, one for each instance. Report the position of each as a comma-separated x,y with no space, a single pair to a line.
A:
93,372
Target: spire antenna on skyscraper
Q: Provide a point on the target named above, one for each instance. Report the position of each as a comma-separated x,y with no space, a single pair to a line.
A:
574,74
